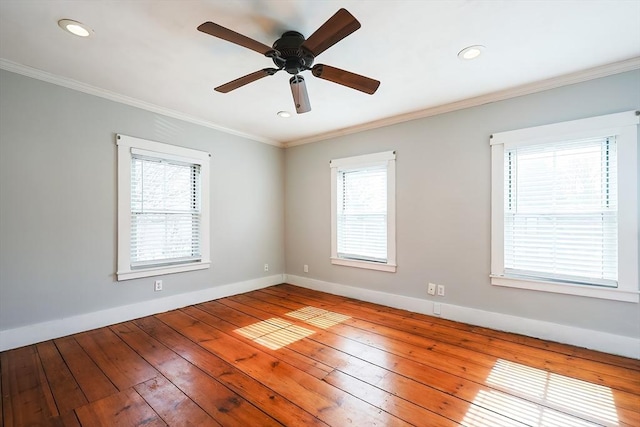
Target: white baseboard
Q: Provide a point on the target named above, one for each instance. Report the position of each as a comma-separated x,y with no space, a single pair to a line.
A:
595,340
31,334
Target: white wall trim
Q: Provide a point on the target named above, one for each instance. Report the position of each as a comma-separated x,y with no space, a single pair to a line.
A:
595,340
564,80
31,334
35,73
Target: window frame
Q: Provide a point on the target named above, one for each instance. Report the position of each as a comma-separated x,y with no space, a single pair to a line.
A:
125,145
624,127
384,158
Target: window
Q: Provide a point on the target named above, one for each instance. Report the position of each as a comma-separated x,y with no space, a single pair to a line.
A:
363,211
163,208
564,208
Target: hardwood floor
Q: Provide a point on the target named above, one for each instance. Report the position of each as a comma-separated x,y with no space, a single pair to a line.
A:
295,357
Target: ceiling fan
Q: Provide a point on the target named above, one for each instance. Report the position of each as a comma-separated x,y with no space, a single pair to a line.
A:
295,54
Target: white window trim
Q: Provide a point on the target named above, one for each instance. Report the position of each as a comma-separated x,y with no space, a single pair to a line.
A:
385,158
127,144
624,127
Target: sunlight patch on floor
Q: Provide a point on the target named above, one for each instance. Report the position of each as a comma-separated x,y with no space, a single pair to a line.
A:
318,317
265,327
546,399
283,337
307,313
274,333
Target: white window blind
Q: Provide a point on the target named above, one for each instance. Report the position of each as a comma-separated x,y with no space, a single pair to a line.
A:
362,214
561,211
165,212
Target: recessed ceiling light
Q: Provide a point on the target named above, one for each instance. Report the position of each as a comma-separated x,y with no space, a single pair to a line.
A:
470,52
74,27
284,114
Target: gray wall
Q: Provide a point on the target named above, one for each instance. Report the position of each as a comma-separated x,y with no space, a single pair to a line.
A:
443,205
58,203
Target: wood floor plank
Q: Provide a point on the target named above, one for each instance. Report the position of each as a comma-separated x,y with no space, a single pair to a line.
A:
445,382
249,388
28,398
360,363
331,405
290,356
125,408
428,396
173,406
234,320
505,349
576,369
431,399
221,403
455,365
66,391
550,346
532,343
401,408
66,420
626,402
380,336
70,419
94,383
120,364
492,346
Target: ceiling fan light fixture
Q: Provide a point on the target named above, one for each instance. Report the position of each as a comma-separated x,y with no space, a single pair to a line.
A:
300,95
470,52
284,114
74,27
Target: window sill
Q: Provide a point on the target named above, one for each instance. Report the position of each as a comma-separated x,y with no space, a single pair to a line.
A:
569,289
390,268
157,271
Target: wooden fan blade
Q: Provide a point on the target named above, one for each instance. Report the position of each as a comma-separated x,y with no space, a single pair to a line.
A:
239,82
346,78
233,37
339,26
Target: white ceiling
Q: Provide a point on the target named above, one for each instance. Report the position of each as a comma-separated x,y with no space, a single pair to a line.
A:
150,51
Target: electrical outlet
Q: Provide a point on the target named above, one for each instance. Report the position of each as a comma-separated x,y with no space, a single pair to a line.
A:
431,290
266,267
441,290
436,308
306,268
157,285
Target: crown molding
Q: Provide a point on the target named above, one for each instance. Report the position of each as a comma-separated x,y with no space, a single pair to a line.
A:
552,83
530,88
35,73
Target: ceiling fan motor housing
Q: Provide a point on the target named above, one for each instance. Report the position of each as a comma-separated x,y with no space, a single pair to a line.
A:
293,57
